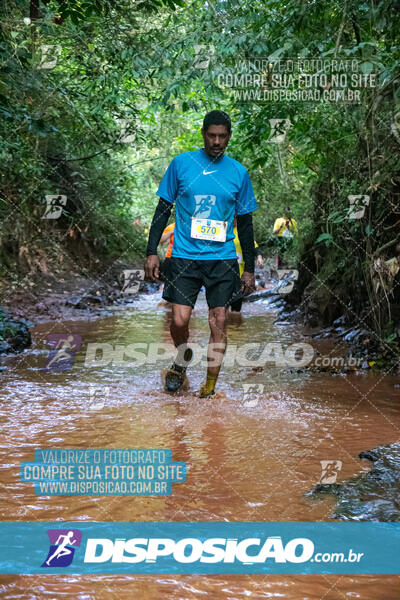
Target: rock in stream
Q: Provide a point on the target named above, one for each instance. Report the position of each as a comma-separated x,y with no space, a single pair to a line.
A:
372,496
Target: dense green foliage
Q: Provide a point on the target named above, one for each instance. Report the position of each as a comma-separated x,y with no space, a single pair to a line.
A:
128,92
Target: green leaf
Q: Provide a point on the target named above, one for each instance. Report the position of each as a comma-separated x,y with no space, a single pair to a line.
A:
325,237
366,67
336,217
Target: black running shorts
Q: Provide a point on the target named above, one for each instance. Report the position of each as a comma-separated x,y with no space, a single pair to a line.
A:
220,278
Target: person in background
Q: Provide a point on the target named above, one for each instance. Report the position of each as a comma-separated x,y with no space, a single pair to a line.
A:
236,306
167,236
284,229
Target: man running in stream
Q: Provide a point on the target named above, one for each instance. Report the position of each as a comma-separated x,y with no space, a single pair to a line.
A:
209,188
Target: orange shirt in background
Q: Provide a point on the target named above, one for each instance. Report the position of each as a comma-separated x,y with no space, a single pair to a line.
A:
171,239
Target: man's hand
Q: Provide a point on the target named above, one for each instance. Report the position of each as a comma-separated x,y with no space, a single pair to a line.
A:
260,261
152,267
248,283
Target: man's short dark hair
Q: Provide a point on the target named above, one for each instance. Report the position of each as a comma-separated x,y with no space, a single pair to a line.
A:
216,117
287,209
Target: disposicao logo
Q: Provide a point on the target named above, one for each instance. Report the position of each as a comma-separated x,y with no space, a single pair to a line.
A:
62,550
191,550
192,554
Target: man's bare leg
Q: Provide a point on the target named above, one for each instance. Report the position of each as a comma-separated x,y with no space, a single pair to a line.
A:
175,376
216,348
180,323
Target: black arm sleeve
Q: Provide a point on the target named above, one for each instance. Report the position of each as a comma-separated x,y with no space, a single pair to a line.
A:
158,224
246,239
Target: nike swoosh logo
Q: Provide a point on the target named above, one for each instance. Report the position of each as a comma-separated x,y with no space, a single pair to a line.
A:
208,172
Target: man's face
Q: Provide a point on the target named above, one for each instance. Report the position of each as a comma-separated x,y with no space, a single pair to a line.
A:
216,139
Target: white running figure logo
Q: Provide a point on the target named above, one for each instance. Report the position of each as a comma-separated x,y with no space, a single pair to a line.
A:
62,550
204,204
63,350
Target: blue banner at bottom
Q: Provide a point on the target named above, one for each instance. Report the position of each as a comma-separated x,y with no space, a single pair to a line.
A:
199,548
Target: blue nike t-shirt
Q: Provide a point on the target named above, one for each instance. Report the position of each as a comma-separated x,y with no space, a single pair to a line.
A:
206,188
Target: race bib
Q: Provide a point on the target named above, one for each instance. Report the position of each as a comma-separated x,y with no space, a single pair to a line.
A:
208,229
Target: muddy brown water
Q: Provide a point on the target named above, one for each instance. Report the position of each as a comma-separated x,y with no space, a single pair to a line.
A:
245,462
